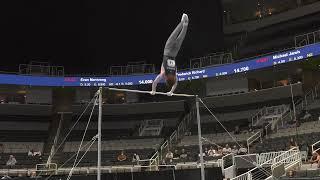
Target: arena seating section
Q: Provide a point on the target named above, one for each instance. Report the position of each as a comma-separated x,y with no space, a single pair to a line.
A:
19,142
20,151
144,147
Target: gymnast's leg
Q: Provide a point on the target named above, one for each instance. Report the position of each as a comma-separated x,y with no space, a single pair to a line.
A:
176,38
172,38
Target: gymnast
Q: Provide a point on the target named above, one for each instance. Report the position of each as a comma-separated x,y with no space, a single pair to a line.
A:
171,49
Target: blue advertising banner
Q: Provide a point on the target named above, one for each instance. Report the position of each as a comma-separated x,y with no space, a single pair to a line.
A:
251,64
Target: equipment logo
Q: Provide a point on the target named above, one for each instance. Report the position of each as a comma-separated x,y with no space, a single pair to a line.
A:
171,63
70,79
262,60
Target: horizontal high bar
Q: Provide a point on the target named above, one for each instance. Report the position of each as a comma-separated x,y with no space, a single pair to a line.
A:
148,92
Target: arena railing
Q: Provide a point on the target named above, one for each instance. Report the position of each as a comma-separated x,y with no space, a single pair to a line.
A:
249,175
215,59
155,159
256,117
173,137
107,169
289,158
267,128
307,38
276,110
48,168
182,128
176,135
154,124
284,118
132,69
284,111
264,157
254,138
315,147
131,168
16,172
163,149
41,69
270,111
307,99
227,162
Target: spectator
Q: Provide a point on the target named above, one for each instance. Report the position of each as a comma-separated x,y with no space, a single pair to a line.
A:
203,155
237,130
226,150
37,153
291,174
31,153
34,153
169,156
304,147
211,152
306,116
33,175
219,152
176,154
234,150
183,154
11,161
1,150
122,156
136,158
292,143
242,150
163,164
187,133
315,159
250,130
206,151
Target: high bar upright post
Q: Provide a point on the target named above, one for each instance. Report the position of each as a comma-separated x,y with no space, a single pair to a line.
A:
99,135
200,139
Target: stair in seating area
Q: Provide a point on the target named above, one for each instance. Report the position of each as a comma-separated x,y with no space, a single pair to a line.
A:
273,165
58,131
262,172
151,127
305,135
270,115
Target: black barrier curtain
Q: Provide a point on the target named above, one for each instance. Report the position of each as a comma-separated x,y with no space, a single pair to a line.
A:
188,174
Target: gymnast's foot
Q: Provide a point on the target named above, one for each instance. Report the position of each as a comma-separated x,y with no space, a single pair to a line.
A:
185,19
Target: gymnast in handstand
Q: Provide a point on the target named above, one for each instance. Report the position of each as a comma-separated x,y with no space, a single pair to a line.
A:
171,49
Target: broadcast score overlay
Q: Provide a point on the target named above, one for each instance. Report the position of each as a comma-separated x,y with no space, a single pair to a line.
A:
299,54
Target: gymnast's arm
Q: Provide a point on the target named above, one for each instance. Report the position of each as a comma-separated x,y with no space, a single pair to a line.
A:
155,83
174,86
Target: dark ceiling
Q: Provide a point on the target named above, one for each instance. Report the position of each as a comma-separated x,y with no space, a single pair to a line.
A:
87,36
